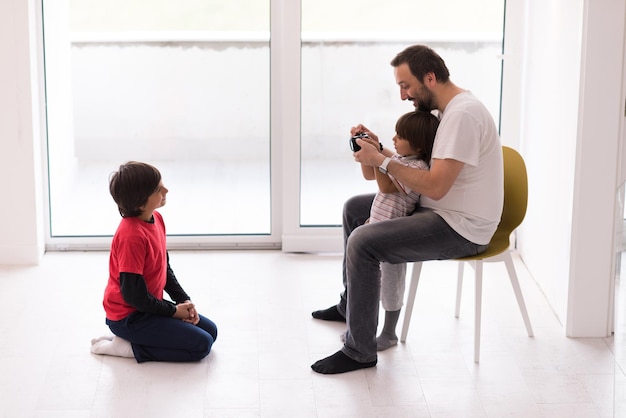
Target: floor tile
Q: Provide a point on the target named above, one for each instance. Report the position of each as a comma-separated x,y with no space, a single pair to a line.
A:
260,364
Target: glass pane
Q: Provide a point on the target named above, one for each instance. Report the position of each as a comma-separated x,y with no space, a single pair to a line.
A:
170,83
347,47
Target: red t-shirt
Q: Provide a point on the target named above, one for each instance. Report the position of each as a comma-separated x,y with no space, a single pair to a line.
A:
138,247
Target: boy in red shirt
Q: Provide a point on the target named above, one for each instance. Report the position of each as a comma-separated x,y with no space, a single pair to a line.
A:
145,325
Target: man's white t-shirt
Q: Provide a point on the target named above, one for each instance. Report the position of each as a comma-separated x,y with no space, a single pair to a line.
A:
467,133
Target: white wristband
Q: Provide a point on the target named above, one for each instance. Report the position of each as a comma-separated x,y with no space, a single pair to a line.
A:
383,166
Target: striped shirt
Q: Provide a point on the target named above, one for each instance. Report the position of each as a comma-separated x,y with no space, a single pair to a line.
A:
402,203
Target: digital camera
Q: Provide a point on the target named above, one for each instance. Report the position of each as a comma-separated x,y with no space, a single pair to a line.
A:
353,145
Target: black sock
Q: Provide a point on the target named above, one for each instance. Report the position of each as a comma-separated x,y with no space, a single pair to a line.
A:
339,363
330,314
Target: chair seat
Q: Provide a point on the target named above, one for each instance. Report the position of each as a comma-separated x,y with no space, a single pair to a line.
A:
500,242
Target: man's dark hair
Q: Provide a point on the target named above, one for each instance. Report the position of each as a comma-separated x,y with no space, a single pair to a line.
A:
132,185
421,61
419,128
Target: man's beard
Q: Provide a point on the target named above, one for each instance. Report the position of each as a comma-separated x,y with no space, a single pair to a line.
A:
426,102
422,107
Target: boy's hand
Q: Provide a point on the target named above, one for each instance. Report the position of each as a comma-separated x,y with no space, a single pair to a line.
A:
362,129
186,311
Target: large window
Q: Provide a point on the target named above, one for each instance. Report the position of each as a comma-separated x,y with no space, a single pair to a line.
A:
347,79
232,111
181,85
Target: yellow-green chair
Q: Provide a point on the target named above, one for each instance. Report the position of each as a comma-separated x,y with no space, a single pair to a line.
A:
515,202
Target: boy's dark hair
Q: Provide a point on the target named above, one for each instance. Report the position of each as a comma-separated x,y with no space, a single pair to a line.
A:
419,128
131,186
422,60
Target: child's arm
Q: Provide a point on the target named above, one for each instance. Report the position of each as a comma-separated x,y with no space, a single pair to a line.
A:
369,172
388,185
135,293
184,306
401,188
385,185
172,287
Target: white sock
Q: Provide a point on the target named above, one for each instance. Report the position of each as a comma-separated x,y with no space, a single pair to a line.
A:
116,347
104,337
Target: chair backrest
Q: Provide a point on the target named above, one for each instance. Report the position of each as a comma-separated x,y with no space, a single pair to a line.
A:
515,191
515,202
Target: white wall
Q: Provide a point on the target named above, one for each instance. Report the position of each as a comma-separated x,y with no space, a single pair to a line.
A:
569,121
549,114
600,114
21,211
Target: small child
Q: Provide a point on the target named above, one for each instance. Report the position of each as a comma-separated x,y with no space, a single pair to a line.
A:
415,134
146,326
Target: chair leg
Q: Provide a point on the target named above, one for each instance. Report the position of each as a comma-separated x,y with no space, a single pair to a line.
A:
478,308
410,301
459,289
508,261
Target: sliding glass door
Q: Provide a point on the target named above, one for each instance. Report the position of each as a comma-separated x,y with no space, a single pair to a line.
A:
248,122
181,85
347,79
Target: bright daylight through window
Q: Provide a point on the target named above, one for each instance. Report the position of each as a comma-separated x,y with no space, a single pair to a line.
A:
186,87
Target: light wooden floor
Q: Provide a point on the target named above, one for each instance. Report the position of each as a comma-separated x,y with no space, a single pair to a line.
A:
260,364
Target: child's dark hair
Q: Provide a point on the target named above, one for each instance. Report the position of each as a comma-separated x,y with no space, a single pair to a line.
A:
419,128
132,185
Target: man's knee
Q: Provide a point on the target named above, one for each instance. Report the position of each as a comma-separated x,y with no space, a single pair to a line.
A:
360,240
358,204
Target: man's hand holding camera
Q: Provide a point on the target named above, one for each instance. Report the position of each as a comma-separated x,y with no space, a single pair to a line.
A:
367,149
